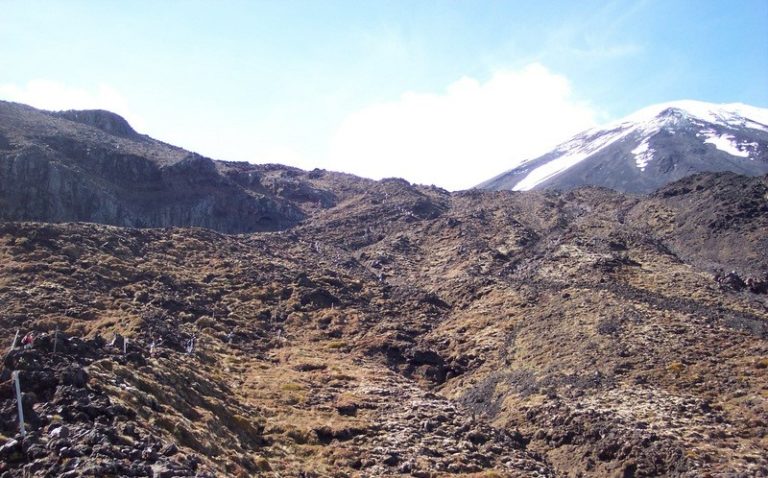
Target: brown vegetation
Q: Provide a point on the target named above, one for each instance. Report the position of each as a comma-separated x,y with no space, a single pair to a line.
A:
404,331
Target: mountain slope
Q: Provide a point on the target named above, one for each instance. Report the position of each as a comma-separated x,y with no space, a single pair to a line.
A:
91,166
651,148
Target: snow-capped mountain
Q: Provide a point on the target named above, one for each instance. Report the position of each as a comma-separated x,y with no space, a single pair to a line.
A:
650,148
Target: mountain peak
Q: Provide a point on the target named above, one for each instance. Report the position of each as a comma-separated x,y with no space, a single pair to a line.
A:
730,114
650,148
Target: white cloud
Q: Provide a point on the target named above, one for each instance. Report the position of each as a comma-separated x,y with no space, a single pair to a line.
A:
464,135
55,96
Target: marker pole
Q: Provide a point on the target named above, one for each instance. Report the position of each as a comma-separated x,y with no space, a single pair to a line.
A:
15,339
18,402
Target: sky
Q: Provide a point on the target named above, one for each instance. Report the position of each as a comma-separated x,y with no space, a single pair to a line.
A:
449,93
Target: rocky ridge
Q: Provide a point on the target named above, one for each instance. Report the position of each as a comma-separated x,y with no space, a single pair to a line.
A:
91,166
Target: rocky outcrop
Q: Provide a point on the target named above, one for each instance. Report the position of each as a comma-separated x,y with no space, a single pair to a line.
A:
106,121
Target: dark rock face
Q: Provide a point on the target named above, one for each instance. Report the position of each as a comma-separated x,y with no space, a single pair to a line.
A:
128,190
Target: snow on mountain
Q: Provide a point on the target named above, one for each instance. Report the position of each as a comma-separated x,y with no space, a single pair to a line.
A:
727,143
643,154
728,114
573,152
653,146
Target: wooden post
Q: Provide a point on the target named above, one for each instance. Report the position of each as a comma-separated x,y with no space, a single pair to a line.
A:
125,346
18,402
55,339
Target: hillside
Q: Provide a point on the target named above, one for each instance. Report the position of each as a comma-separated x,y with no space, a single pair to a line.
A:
91,166
399,330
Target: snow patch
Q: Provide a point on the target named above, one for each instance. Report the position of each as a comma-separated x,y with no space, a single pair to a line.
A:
727,143
643,154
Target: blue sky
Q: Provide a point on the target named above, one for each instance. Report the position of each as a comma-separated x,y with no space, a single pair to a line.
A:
448,92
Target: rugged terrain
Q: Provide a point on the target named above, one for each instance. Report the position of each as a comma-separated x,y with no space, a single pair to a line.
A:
368,328
399,330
